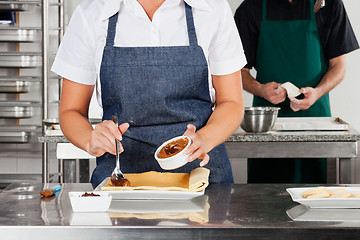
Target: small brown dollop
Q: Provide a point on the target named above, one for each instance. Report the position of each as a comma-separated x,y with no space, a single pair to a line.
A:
173,148
47,192
121,182
90,195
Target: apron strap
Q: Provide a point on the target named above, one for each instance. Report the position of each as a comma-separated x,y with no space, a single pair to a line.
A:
312,14
190,25
111,30
264,10
189,21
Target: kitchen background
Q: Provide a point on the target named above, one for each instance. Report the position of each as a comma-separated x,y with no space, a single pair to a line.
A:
24,159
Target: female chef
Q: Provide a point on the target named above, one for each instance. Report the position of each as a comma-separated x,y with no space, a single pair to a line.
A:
160,66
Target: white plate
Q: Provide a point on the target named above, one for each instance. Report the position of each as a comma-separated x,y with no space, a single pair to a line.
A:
159,206
304,213
147,194
295,194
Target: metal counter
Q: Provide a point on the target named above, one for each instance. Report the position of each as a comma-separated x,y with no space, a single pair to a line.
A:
287,144
246,211
299,144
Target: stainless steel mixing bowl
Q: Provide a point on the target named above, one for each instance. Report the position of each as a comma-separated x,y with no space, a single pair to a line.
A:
259,119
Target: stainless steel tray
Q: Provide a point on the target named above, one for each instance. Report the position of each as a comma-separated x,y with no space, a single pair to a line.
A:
55,121
18,5
15,112
14,86
20,128
18,133
14,137
17,109
20,59
19,34
19,78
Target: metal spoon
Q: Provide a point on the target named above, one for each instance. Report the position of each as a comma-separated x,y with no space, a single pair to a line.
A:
117,177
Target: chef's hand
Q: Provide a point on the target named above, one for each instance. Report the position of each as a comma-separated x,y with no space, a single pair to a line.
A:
273,92
198,148
310,97
103,136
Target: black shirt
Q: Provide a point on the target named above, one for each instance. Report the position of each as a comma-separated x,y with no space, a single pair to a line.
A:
336,34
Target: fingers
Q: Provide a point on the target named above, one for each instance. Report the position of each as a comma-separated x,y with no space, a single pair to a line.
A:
310,97
123,127
103,136
294,104
196,148
297,105
190,131
205,160
274,93
317,5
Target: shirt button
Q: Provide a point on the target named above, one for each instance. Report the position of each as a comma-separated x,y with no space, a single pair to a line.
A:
155,31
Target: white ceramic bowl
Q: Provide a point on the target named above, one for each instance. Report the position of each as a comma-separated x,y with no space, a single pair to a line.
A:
90,204
173,162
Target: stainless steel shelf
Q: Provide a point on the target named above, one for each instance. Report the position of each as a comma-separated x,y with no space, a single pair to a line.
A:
55,121
20,59
15,128
14,86
14,137
18,133
19,34
17,109
18,5
20,78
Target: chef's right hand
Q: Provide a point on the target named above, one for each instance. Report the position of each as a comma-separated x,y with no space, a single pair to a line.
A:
273,92
103,138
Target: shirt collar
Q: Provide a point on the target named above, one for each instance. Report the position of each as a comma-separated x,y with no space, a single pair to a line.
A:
111,7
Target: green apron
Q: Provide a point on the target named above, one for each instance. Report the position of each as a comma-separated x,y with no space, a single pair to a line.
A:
290,51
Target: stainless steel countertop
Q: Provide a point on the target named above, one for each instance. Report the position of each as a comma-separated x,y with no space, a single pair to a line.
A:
246,211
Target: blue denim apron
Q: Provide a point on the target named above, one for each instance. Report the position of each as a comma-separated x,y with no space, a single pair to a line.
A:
158,91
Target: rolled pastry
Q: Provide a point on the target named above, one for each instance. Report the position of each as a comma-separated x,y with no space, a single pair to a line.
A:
336,191
355,194
319,195
291,89
314,191
341,195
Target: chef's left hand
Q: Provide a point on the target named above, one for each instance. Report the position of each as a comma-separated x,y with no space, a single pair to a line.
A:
310,97
198,148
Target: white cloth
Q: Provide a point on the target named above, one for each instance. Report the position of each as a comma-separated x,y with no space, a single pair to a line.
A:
80,53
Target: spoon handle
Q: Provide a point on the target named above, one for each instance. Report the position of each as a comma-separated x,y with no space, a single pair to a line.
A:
116,121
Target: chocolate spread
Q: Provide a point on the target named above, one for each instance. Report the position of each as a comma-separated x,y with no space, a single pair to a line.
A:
173,148
90,195
120,182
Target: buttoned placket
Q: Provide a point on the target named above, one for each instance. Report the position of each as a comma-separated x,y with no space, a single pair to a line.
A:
155,26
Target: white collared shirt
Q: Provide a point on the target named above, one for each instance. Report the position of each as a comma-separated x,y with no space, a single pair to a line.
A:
80,53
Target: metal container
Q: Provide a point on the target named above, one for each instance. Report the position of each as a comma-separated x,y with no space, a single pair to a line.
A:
16,84
14,137
14,87
18,5
19,34
55,121
259,119
18,133
16,109
20,59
